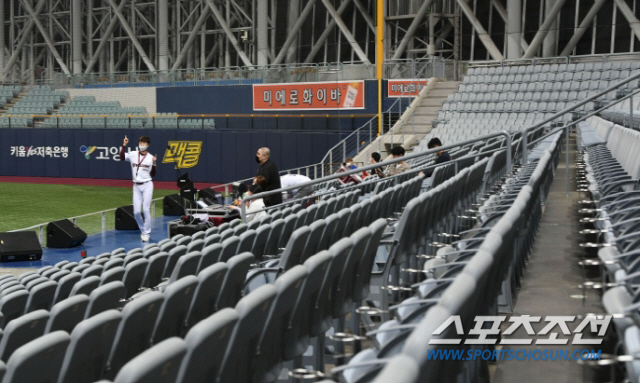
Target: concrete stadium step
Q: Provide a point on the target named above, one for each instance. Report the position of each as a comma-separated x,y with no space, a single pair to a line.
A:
10,104
415,127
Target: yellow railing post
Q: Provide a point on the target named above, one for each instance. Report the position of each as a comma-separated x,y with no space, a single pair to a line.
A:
380,60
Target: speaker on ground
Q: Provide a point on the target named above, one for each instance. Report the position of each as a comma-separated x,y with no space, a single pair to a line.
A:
125,220
64,234
20,246
173,205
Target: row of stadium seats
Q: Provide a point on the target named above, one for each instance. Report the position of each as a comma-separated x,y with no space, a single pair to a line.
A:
134,121
505,106
41,100
556,68
479,107
7,93
548,78
106,269
508,95
621,114
463,279
54,100
87,105
607,169
537,87
16,122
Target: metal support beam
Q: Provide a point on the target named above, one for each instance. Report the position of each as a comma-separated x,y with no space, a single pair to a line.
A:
2,42
46,37
482,33
544,29
26,33
103,42
76,35
366,15
192,37
132,35
232,39
417,21
582,28
346,32
325,34
262,19
294,13
163,34
549,42
294,31
444,32
634,24
514,29
502,11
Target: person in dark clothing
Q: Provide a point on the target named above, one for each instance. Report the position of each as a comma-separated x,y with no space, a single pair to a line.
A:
269,170
442,156
375,158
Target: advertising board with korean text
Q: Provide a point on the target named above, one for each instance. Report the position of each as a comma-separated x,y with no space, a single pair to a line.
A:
337,95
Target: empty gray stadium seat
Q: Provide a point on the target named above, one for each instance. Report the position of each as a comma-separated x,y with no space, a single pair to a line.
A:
38,360
66,314
104,298
88,351
159,364
205,342
134,332
22,330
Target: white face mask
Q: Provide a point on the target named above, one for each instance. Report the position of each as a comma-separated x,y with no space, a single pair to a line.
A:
143,148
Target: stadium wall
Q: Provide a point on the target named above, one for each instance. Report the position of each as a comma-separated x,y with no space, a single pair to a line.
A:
238,99
126,96
224,156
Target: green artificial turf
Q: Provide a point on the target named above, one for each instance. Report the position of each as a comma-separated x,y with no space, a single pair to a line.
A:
24,205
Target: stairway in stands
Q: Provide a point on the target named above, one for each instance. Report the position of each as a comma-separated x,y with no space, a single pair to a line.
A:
429,106
415,123
3,111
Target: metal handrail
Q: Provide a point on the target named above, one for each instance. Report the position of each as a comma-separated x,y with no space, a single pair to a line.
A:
586,116
420,168
181,77
567,59
571,108
382,164
41,226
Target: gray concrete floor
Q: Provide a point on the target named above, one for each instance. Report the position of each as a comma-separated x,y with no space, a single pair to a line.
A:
551,284
15,272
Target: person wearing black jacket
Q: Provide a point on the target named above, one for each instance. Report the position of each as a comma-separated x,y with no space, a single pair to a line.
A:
269,170
442,156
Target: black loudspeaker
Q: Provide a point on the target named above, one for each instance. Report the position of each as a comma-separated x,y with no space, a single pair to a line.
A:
64,234
173,205
125,220
20,246
210,196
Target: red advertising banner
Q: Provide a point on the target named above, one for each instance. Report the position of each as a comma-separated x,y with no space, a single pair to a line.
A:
405,88
309,96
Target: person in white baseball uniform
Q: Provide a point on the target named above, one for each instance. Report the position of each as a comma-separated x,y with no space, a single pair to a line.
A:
143,167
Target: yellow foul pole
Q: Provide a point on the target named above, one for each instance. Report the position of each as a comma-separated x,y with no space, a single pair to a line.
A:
380,59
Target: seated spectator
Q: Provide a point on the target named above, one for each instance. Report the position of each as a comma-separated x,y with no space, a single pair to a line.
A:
260,181
253,206
374,159
398,167
350,164
441,156
348,179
